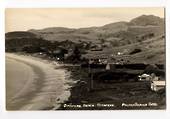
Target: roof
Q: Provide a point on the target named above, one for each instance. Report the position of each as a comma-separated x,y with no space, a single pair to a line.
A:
144,75
96,56
159,83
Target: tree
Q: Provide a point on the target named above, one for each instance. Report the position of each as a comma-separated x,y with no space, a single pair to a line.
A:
76,54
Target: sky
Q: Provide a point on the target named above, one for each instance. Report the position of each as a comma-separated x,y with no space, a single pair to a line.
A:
22,19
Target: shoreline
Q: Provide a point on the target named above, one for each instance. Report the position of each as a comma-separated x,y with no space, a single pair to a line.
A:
49,86
76,94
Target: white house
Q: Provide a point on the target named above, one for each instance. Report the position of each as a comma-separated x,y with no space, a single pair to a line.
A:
144,77
157,85
148,77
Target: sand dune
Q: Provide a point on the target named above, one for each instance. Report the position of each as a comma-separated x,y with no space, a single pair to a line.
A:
40,85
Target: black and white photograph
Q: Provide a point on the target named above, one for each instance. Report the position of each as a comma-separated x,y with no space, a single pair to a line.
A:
85,58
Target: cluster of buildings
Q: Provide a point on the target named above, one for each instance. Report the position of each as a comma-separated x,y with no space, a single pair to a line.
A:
156,83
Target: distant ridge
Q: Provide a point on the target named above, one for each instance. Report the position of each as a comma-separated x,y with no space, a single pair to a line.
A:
145,20
145,32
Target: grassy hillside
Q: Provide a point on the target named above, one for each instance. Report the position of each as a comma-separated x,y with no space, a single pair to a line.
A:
145,32
127,32
19,34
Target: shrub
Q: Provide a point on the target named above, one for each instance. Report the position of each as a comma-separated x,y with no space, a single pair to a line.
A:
135,51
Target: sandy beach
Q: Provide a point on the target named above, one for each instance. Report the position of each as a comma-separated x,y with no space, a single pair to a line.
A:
34,84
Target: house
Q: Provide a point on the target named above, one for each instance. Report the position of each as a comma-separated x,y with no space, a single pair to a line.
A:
147,77
57,53
96,58
144,77
96,49
69,53
157,85
119,53
110,66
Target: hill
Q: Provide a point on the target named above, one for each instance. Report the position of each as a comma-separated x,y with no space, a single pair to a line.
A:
146,20
145,32
19,34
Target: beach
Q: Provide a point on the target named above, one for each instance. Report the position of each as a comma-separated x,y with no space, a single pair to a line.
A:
34,84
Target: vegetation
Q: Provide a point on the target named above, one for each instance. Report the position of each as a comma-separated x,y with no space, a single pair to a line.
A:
107,40
135,51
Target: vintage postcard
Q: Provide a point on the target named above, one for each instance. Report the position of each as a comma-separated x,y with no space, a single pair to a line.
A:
85,58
